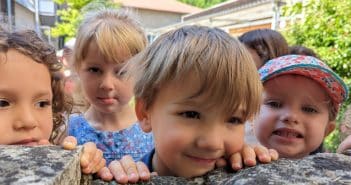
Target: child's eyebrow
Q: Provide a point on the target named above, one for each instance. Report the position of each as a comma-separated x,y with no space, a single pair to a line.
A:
43,93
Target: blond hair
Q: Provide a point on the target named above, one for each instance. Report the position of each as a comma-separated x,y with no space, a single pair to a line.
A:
227,73
111,30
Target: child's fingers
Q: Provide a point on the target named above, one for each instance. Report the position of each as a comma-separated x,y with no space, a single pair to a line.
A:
118,172
130,168
262,154
274,154
248,155
88,153
98,162
143,171
221,162
236,161
346,144
105,174
69,143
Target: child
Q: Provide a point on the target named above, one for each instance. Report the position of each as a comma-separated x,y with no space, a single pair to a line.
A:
106,40
264,45
195,88
301,99
32,102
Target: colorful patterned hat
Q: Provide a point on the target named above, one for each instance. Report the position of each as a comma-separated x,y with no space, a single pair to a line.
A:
309,67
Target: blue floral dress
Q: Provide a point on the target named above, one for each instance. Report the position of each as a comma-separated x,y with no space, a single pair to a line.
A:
130,141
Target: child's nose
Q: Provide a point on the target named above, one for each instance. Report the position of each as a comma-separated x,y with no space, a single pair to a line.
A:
25,119
290,116
210,138
107,82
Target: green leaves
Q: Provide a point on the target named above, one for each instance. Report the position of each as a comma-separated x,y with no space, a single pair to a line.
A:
325,27
71,17
202,3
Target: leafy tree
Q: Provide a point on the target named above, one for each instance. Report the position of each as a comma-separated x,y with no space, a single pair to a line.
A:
324,25
326,28
72,15
202,3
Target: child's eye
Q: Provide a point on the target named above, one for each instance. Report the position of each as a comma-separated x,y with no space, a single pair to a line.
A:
4,103
94,70
273,104
43,104
309,109
190,114
235,120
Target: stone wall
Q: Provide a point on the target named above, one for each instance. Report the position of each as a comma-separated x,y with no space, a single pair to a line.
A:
53,165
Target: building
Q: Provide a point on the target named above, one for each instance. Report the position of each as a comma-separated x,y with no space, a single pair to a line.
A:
234,16
39,15
154,14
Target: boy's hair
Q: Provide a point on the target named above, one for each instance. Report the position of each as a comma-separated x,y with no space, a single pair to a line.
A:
110,30
267,43
227,73
30,44
302,50
312,68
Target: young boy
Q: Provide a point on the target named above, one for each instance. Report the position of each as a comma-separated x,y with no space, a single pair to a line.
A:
195,88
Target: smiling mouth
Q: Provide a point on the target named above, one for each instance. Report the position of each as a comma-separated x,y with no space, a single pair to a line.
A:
287,133
202,160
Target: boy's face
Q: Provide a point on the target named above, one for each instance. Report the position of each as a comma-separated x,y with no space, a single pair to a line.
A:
103,85
189,136
25,100
294,117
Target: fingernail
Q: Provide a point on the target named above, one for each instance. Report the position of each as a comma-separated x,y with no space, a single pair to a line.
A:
132,176
236,166
143,174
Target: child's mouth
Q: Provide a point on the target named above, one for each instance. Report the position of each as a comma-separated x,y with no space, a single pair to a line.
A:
26,142
287,133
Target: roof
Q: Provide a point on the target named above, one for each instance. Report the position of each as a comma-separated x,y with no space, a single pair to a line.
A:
160,5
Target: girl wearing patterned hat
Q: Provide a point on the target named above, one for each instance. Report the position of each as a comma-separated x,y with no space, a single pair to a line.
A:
301,99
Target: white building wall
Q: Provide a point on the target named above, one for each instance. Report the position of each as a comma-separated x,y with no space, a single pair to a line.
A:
24,18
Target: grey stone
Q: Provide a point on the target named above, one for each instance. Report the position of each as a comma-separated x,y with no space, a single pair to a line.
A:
324,168
53,165
39,165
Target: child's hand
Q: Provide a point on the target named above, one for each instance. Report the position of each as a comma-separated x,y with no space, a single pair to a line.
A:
248,155
344,145
91,160
127,170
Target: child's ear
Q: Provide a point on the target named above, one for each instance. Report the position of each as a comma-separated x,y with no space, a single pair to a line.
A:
330,128
142,115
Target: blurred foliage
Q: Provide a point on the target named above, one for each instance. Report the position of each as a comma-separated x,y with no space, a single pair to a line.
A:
72,15
202,3
325,27
332,142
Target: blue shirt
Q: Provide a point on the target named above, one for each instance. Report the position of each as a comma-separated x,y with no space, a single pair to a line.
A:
147,159
130,141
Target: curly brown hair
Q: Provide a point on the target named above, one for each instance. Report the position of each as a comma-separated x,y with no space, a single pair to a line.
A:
30,44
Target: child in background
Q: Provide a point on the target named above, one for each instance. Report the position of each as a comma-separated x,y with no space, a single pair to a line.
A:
32,101
264,45
301,99
106,40
195,88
